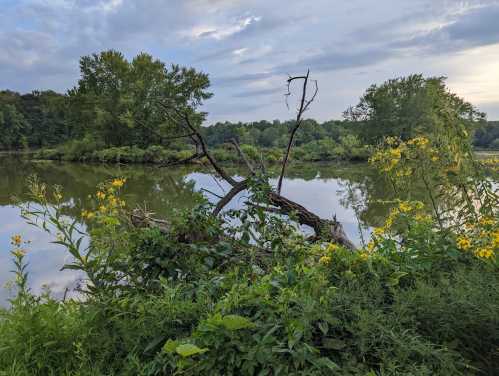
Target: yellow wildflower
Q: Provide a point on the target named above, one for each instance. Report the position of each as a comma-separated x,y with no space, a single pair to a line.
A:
495,239
87,214
485,252
389,222
395,153
405,207
364,256
118,183
486,221
418,141
16,240
391,140
325,260
101,195
113,201
102,209
370,246
463,243
378,231
332,247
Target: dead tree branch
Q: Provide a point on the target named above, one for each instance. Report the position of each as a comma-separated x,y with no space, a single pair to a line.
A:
243,156
304,105
325,229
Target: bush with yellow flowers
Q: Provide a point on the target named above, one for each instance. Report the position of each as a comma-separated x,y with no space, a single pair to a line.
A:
460,200
103,224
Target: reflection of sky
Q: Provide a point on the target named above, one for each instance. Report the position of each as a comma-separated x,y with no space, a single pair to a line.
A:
45,259
317,195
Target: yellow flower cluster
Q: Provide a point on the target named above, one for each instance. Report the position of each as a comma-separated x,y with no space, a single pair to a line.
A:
403,208
491,163
118,183
486,221
108,202
419,141
87,214
332,247
325,260
485,252
389,158
16,241
463,243
495,239
481,238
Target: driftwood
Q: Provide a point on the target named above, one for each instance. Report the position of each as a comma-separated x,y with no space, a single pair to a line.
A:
325,229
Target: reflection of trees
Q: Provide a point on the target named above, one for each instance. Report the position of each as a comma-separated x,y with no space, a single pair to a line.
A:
167,189
162,189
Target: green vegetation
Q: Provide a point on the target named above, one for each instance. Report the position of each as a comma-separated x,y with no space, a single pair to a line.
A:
117,113
487,136
243,291
115,103
193,296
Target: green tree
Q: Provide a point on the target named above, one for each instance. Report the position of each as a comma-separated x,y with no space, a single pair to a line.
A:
122,102
12,126
410,106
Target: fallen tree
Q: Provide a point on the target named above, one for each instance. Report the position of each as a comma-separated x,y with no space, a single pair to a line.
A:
324,229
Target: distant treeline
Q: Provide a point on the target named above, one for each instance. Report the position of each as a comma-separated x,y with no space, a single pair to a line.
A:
123,104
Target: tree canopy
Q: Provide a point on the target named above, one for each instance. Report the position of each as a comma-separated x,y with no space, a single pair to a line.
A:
121,102
410,106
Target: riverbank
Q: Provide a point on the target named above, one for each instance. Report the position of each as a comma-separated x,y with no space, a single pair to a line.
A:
160,155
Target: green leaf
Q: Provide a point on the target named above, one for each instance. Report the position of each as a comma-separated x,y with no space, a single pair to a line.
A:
170,346
326,362
395,278
235,322
324,327
333,343
71,267
154,343
188,349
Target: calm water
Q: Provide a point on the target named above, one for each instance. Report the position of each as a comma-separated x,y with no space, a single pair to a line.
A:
325,189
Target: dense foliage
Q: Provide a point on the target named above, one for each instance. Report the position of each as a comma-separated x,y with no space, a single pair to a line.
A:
116,113
115,103
411,106
198,297
487,136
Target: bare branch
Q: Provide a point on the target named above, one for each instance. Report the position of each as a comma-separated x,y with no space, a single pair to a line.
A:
243,156
304,105
211,193
237,188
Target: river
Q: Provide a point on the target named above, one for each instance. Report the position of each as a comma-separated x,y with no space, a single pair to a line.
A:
349,191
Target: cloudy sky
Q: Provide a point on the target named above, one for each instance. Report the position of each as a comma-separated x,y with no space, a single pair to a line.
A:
249,47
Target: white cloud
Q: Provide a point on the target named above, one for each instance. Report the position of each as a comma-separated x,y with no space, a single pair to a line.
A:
221,31
240,51
250,46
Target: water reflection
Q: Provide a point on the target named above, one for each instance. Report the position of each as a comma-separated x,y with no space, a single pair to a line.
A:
325,189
